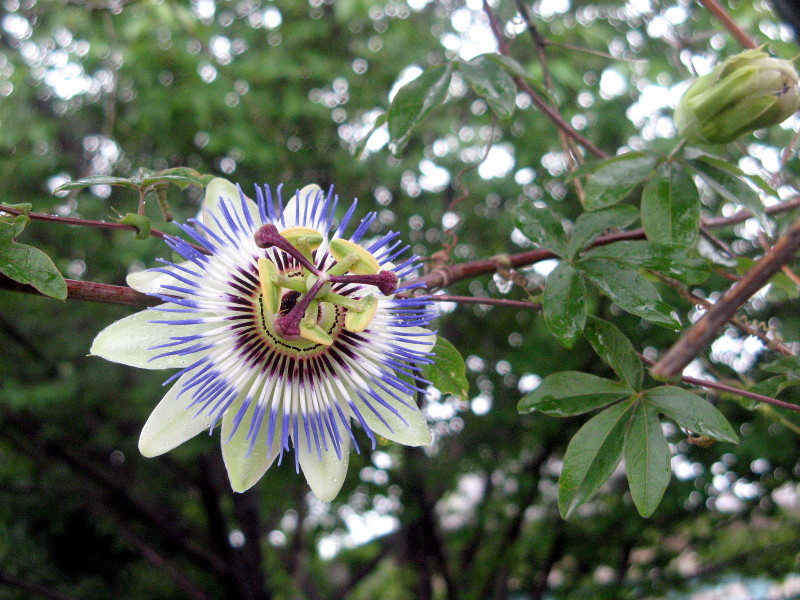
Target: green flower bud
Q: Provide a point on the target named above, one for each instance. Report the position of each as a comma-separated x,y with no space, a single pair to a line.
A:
746,92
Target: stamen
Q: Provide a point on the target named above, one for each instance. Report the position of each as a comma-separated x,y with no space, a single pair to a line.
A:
358,319
367,264
268,236
270,292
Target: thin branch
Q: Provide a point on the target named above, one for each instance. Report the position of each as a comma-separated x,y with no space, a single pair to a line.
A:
537,100
716,9
485,301
35,216
729,389
88,290
705,329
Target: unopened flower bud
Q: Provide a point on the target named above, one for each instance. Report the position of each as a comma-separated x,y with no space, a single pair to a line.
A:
746,92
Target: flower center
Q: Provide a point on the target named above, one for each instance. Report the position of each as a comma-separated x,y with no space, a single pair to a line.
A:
304,306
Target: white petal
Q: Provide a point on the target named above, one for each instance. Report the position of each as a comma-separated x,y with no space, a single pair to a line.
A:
244,467
129,341
171,423
325,477
413,432
222,188
307,197
423,340
151,282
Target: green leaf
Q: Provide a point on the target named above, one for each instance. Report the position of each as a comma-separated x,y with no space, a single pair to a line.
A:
647,458
564,304
492,83
730,183
671,207
592,455
447,373
672,262
772,386
615,178
615,349
97,180
591,224
542,226
691,412
629,290
571,393
414,101
26,264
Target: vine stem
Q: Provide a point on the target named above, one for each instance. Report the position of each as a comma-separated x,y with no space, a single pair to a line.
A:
699,335
729,389
36,216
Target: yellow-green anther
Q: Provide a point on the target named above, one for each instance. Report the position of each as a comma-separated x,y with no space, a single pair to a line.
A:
366,265
343,266
357,321
310,330
749,91
314,333
270,290
295,234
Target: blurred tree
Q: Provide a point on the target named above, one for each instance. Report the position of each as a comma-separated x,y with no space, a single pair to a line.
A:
295,91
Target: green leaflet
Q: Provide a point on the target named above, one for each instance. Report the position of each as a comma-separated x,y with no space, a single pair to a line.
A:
414,101
615,178
571,393
691,412
629,290
647,458
542,226
491,82
671,207
615,349
564,304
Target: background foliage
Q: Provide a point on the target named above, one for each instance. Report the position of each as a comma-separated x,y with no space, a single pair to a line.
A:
289,91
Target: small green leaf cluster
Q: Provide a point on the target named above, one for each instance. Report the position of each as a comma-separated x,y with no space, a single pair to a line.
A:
628,427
